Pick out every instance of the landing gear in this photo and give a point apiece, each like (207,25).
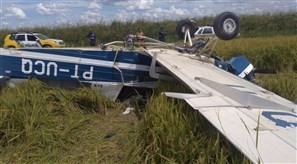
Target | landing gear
(226,26)
(183,25)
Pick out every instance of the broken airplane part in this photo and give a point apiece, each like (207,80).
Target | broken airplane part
(107,70)
(261,124)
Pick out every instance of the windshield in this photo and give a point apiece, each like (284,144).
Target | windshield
(41,36)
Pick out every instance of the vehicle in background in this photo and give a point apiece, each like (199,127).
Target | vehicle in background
(31,40)
(204,31)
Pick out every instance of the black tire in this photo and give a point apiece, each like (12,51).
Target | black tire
(11,47)
(181,27)
(47,46)
(226,26)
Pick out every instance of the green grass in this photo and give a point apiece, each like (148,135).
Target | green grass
(50,125)
(172,132)
(41,124)
(278,52)
(283,84)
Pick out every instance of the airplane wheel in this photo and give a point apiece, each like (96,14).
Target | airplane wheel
(226,26)
(182,26)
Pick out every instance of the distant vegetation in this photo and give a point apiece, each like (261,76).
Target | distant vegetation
(251,26)
(39,124)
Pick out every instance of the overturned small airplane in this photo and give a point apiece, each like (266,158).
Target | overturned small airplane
(261,124)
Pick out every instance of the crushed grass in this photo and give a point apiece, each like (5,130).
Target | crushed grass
(49,125)
(41,124)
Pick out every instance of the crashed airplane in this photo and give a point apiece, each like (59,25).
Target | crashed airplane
(261,124)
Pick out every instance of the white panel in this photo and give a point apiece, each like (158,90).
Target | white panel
(230,107)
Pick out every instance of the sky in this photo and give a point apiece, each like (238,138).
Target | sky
(51,13)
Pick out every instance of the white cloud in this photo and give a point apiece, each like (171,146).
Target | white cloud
(15,12)
(95,5)
(94,11)
(133,5)
(63,20)
(124,15)
(58,10)
(158,10)
(52,8)
(203,10)
(160,13)
(5,23)
(155,13)
(91,17)
(145,4)
(199,8)
(178,11)
(41,9)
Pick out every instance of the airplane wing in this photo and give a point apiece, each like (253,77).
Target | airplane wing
(261,124)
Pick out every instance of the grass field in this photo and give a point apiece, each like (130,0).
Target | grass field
(39,124)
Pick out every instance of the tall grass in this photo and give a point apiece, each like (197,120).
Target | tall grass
(269,24)
(172,132)
(283,84)
(41,124)
(278,52)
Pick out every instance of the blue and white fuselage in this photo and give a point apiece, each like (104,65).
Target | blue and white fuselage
(99,68)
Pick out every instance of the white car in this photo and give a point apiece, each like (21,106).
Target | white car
(204,31)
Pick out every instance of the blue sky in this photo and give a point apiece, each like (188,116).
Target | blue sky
(30,13)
